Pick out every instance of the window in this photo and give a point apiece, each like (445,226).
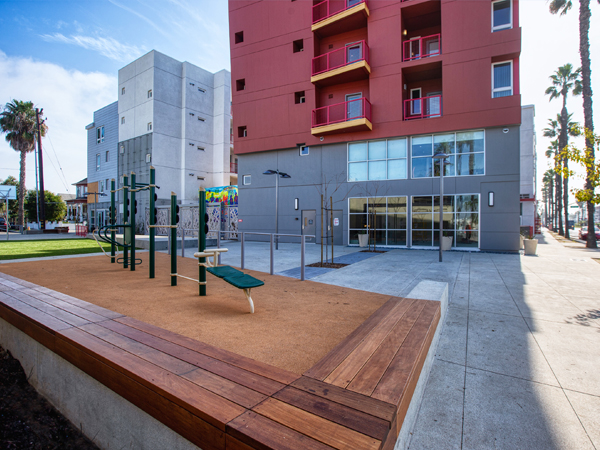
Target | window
(377,160)
(106,156)
(150,93)
(465,150)
(298,46)
(122,91)
(98,161)
(148,158)
(299,97)
(246,179)
(240,85)
(304,150)
(107,184)
(122,120)
(201,148)
(502,79)
(242,132)
(385,217)
(121,149)
(501,15)
(102,186)
(99,135)
(239,37)
(460,215)
(149,126)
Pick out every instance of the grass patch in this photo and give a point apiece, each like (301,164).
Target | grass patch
(49,247)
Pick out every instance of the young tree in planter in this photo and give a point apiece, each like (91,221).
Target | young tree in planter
(56,208)
(13,205)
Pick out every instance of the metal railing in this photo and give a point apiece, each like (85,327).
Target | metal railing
(422,47)
(328,8)
(423,108)
(350,53)
(342,112)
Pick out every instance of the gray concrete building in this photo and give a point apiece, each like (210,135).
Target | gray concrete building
(528,188)
(481,190)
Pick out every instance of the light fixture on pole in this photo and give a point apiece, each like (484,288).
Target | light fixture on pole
(282,175)
(442,158)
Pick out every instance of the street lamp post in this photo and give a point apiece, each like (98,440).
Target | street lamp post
(282,175)
(96,195)
(442,158)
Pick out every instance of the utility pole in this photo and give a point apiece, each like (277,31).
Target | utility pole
(39,140)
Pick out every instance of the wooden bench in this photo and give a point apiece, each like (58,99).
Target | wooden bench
(353,398)
(231,275)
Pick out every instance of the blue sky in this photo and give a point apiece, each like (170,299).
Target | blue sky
(64,56)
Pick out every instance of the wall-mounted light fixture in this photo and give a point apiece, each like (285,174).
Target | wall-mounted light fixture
(405,32)
(296,204)
(491,198)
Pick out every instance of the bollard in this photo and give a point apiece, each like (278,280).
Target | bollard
(302,242)
(242,250)
(271,259)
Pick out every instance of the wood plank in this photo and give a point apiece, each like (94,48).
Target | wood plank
(11,284)
(318,428)
(145,352)
(53,311)
(368,378)
(202,403)
(396,377)
(40,318)
(347,370)
(225,388)
(69,307)
(81,303)
(330,361)
(169,413)
(374,407)
(251,365)
(17,280)
(261,433)
(232,443)
(335,412)
(27,326)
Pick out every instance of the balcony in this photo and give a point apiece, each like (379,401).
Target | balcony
(354,115)
(336,16)
(349,63)
(233,167)
(423,108)
(423,47)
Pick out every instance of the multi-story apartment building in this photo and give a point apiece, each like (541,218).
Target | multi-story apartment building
(102,140)
(171,115)
(366,92)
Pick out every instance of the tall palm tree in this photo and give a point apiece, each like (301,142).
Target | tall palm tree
(553,152)
(19,123)
(565,80)
(562,7)
(548,181)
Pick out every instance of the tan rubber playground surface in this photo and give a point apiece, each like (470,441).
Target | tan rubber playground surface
(295,322)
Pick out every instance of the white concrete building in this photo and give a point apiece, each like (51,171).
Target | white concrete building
(528,167)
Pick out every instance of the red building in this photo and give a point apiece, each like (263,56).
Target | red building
(327,74)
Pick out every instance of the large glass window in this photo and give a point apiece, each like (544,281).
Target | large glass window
(502,79)
(501,15)
(460,216)
(383,218)
(465,152)
(377,160)
(99,135)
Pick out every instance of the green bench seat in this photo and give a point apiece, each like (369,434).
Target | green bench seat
(238,279)
(224,271)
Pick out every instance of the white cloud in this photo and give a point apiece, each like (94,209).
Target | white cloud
(69,99)
(109,47)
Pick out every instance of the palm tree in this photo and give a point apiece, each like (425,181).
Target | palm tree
(562,7)
(564,80)
(553,152)
(548,181)
(18,121)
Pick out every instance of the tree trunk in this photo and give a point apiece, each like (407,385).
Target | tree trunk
(586,80)
(563,140)
(21,199)
(566,198)
(559,206)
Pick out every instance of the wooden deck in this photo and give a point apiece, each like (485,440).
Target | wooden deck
(356,397)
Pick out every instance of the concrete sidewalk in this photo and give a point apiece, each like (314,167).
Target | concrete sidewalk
(517,363)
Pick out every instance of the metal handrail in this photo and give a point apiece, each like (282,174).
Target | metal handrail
(324,112)
(323,63)
(422,102)
(318,9)
(407,56)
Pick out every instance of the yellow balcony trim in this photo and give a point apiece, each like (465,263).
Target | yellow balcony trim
(341,126)
(341,15)
(340,70)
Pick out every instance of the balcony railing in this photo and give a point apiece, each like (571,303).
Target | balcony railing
(422,47)
(233,167)
(342,112)
(423,108)
(351,53)
(328,8)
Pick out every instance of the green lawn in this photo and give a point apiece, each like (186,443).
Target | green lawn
(48,247)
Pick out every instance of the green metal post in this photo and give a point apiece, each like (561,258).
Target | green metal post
(202,239)
(173,239)
(125,209)
(113,221)
(132,220)
(152,230)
